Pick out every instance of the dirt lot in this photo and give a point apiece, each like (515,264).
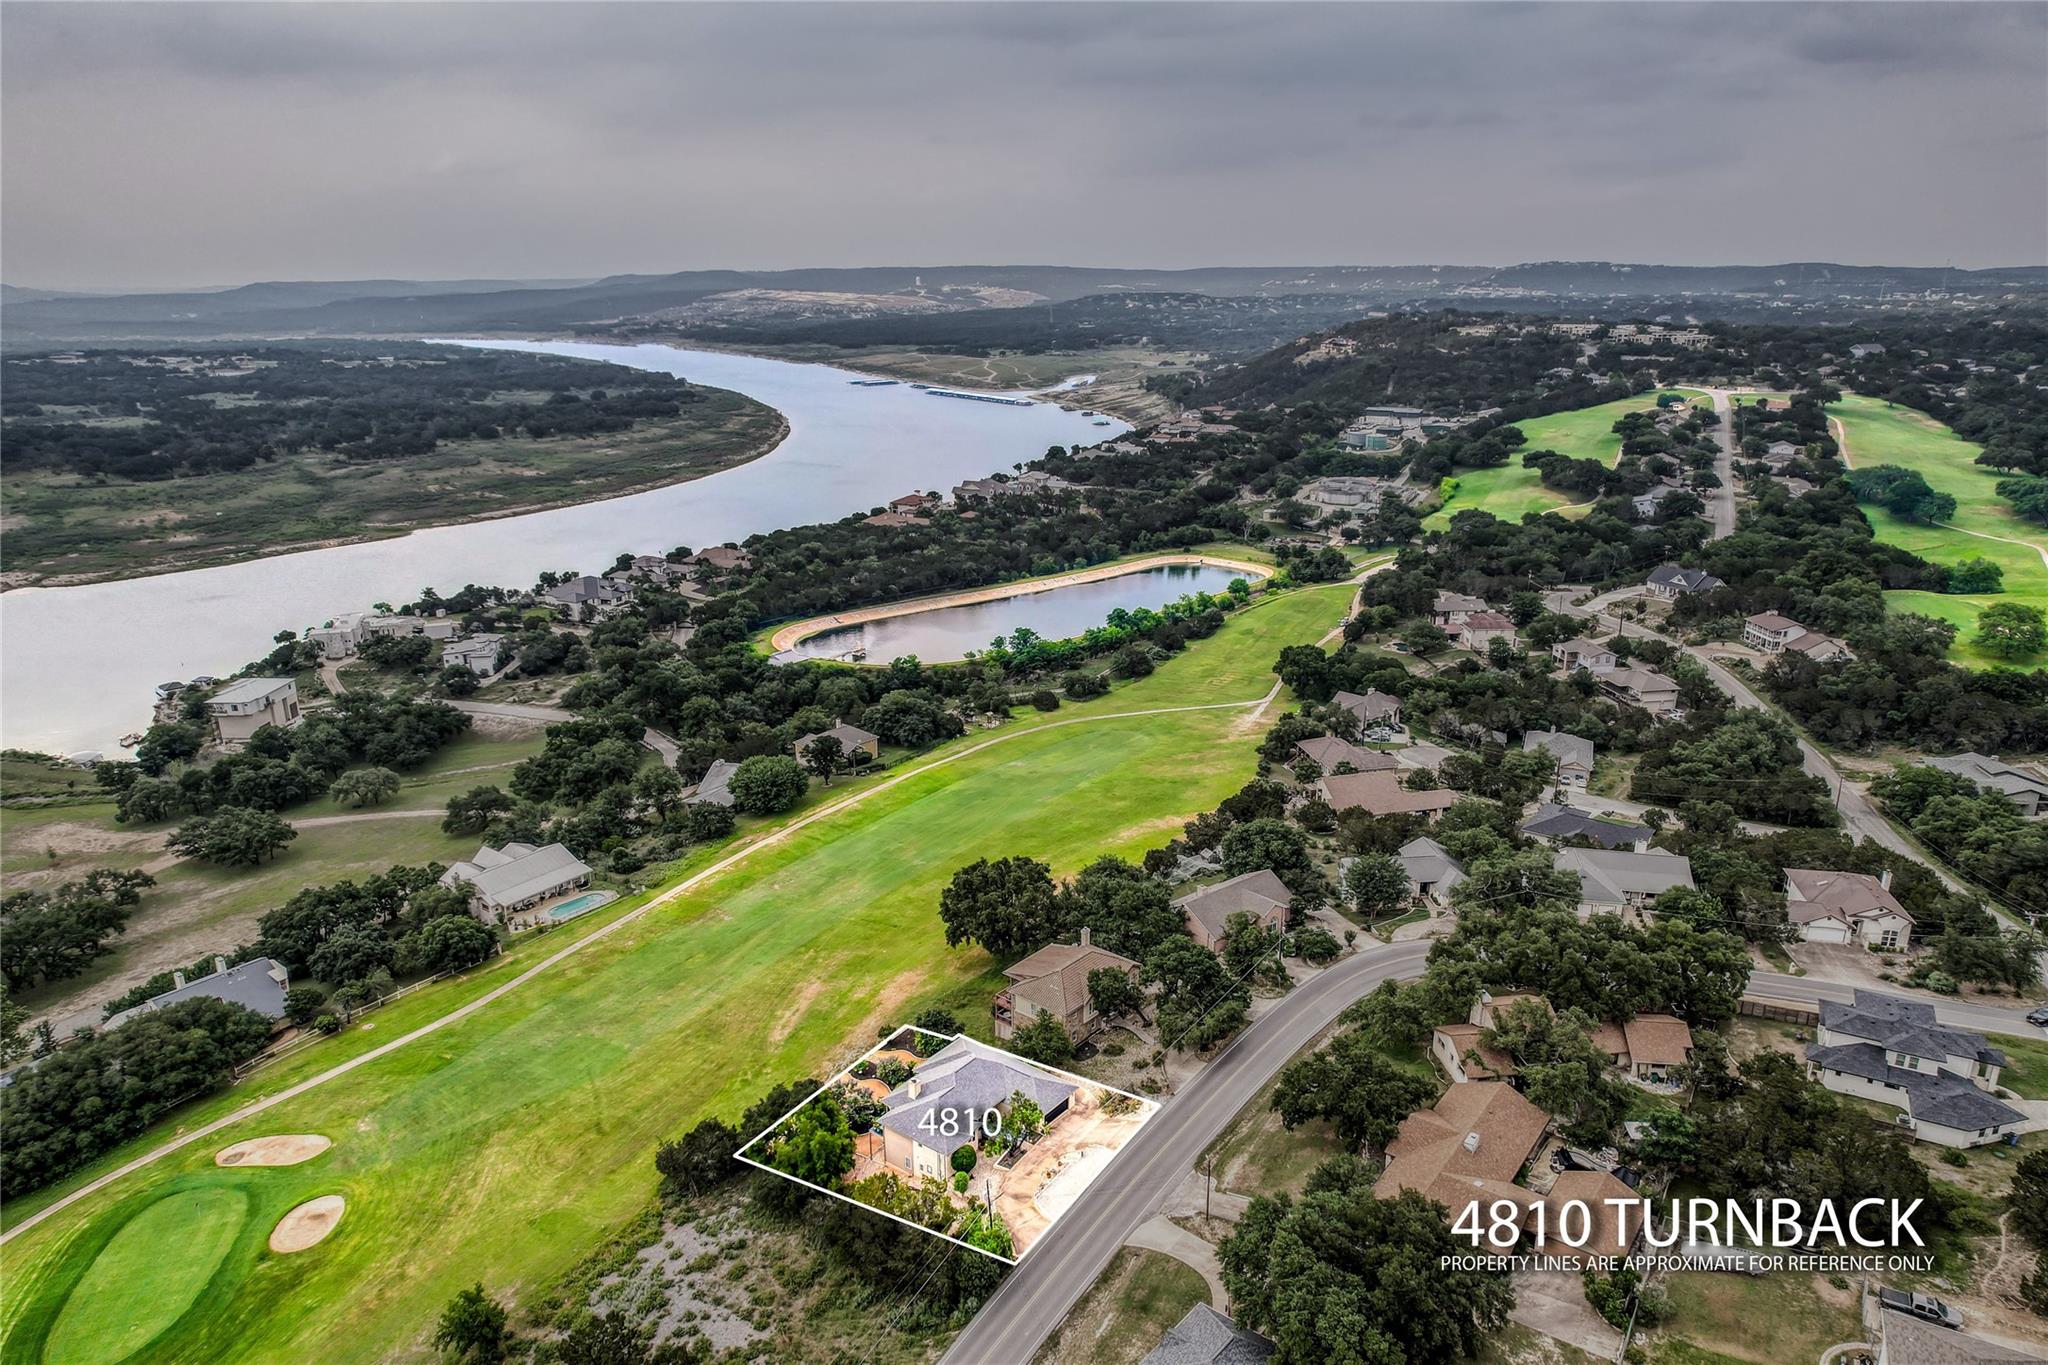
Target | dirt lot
(1052,1173)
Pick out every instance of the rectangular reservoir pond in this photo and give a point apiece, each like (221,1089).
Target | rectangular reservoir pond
(945,633)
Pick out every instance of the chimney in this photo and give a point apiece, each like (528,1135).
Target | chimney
(177,981)
(1884,879)
(220,964)
(1087,938)
(914,1086)
(1472,1141)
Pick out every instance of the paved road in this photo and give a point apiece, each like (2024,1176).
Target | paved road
(1960,1014)
(1037,1296)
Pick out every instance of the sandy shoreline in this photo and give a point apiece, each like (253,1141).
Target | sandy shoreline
(798,631)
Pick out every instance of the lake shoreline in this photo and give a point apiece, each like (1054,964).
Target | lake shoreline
(763,446)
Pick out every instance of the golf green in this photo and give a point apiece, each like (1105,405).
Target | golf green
(145,1278)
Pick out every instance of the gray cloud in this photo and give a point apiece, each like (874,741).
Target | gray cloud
(166,145)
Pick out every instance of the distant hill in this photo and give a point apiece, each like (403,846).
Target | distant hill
(1310,294)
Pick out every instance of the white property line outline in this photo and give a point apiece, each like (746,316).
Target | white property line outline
(845,1073)
(690,883)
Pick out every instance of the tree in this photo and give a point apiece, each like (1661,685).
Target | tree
(473,811)
(1423,639)
(822,756)
(702,821)
(352,954)
(1377,884)
(233,836)
(1198,1003)
(451,943)
(1007,906)
(2012,630)
(303,1004)
(1269,844)
(1125,909)
(1044,1040)
(1563,1073)
(1112,994)
(936,1021)
(13,1042)
(365,787)
(472,1327)
(701,1159)
(767,784)
(658,789)
(1339,1275)
(2029,1198)
(816,1144)
(50,935)
(1355,1086)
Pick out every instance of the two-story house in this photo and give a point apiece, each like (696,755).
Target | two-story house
(1054,981)
(242,708)
(1895,1051)
(1846,907)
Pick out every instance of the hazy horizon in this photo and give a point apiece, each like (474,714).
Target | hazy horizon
(173,147)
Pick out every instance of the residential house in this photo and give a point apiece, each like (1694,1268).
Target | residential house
(1374,709)
(589,598)
(1381,793)
(1647,504)
(1208,910)
(258,984)
(1331,753)
(1782,452)
(1556,825)
(714,786)
(479,653)
(504,881)
(1864,348)
(339,638)
(1670,582)
(399,627)
(855,744)
(1579,652)
(442,628)
(1206,1337)
(1903,1339)
(242,708)
(1462,1051)
(914,502)
(1846,907)
(1769,633)
(2021,786)
(1614,1215)
(1432,872)
(893,519)
(964,1076)
(1481,628)
(1452,608)
(649,568)
(1054,981)
(1654,1046)
(719,559)
(1622,881)
(1574,755)
(1467,1148)
(1895,1051)
(1643,687)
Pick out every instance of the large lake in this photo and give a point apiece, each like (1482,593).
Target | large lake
(946,633)
(78,665)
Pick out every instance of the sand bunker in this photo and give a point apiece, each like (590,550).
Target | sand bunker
(308,1224)
(286,1149)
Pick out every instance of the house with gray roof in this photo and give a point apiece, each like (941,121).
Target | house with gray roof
(1616,881)
(715,786)
(479,653)
(962,1077)
(2021,786)
(242,708)
(1432,871)
(855,744)
(1581,652)
(1554,824)
(1260,894)
(589,598)
(1897,1051)
(1574,755)
(504,881)
(1206,1337)
(1374,708)
(1671,582)
(258,984)
(1846,907)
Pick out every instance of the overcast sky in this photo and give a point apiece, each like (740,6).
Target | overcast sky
(192,144)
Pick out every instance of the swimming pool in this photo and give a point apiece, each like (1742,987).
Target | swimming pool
(578,905)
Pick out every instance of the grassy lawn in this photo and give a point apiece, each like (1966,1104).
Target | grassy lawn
(1125,1313)
(2026,1066)
(507,1144)
(1512,489)
(71,525)
(1875,434)
(1766,1318)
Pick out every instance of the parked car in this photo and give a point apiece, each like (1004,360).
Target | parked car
(1925,1307)
(2039,1018)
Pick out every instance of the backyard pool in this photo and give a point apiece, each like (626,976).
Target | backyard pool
(578,905)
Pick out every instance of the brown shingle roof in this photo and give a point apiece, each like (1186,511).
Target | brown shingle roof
(1055,978)
(1658,1039)
(1381,794)
(1431,1144)
(1852,895)
(1612,1231)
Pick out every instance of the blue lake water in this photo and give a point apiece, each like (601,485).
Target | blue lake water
(946,633)
(77,664)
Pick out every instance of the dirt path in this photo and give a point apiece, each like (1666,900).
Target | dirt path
(818,625)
